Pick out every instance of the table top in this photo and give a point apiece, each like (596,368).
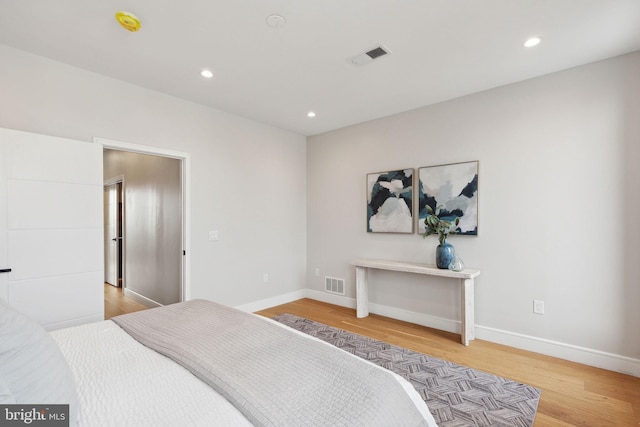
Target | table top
(414,267)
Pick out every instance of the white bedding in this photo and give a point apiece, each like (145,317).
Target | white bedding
(408,388)
(121,382)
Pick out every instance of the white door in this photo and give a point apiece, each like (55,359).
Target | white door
(53,228)
(111,237)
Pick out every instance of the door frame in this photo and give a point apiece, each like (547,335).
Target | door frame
(185,169)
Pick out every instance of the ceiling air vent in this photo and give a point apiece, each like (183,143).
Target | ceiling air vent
(365,58)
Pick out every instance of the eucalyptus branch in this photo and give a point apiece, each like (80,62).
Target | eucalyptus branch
(442,227)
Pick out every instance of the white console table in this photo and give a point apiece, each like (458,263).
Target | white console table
(465,277)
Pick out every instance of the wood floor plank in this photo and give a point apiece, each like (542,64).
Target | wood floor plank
(115,303)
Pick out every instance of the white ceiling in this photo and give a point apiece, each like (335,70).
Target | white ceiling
(441,49)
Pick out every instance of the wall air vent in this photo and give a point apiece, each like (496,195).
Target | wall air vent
(365,58)
(333,285)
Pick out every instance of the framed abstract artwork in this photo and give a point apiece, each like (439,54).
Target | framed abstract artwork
(454,187)
(390,202)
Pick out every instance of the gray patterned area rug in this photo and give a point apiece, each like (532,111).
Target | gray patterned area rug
(456,395)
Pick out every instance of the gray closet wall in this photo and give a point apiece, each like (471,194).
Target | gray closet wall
(152,223)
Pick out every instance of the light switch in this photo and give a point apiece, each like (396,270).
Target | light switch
(213,235)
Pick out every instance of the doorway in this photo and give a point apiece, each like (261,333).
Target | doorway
(156,219)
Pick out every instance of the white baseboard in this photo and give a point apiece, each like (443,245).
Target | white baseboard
(587,356)
(140,298)
(340,300)
(273,301)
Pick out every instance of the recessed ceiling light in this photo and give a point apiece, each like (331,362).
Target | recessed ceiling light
(206,73)
(311,114)
(276,21)
(532,41)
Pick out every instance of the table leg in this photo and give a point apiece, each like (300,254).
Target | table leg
(362,292)
(468,329)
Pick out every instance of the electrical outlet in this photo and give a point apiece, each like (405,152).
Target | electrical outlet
(317,272)
(265,278)
(538,306)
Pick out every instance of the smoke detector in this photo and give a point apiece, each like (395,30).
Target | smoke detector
(128,21)
(366,57)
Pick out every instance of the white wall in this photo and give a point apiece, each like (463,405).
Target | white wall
(248,179)
(558,201)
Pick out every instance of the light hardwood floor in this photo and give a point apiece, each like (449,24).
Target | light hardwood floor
(572,394)
(115,303)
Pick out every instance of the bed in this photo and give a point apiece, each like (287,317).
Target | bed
(199,363)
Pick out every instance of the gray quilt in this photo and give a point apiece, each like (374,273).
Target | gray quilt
(271,374)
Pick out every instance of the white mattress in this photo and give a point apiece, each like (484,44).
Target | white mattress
(120,382)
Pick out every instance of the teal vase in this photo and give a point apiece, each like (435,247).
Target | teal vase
(445,253)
